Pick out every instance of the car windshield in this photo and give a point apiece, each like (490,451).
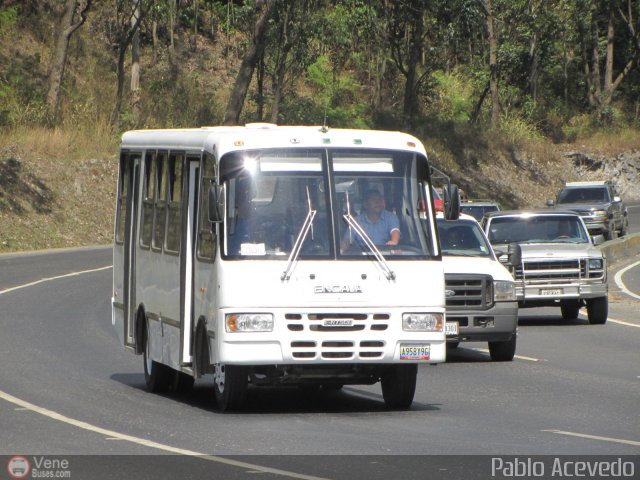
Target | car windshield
(462,238)
(478,211)
(583,195)
(537,229)
(278,198)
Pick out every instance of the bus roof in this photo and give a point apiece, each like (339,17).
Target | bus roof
(265,135)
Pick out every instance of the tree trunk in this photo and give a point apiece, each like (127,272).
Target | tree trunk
(608,72)
(241,85)
(135,68)
(154,36)
(410,104)
(493,64)
(69,24)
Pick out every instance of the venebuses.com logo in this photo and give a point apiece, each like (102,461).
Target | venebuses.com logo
(18,467)
(38,467)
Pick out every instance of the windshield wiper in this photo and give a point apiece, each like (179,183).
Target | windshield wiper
(302,235)
(369,243)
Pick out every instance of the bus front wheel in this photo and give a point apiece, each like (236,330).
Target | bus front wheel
(230,385)
(399,386)
(157,377)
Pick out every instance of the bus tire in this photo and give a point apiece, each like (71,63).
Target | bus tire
(157,377)
(399,386)
(182,382)
(230,385)
(201,344)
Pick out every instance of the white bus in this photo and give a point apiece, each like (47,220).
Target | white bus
(243,252)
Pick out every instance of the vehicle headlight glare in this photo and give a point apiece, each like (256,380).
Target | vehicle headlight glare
(595,264)
(423,322)
(249,322)
(504,291)
(600,213)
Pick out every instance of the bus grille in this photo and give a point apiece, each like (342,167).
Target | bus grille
(335,347)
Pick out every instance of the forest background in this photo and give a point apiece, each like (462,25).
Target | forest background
(511,97)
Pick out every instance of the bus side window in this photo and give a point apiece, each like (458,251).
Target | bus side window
(148,198)
(123,195)
(206,234)
(160,211)
(174,197)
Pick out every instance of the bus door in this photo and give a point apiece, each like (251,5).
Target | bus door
(129,208)
(187,256)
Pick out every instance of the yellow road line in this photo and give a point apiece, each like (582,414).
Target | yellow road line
(48,279)
(595,437)
(149,443)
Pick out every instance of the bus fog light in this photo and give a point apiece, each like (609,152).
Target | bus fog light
(249,322)
(422,322)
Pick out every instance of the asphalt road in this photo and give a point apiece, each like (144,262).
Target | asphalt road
(67,389)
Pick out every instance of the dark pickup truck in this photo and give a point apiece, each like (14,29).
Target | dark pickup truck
(597,203)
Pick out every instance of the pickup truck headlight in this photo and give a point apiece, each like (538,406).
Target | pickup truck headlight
(600,214)
(249,322)
(595,264)
(423,322)
(504,291)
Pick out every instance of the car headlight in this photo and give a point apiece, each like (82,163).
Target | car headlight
(249,322)
(595,263)
(504,291)
(423,322)
(600,213)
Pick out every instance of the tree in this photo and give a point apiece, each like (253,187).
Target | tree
(251,58)
(75,14)
(129,14)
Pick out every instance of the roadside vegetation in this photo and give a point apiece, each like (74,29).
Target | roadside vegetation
(499,90)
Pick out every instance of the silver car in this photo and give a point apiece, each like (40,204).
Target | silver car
(559,264)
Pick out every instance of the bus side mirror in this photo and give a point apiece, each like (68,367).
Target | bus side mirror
(451,196)
(215,213)
(514,254)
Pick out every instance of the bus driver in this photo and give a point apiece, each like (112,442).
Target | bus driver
(380,225)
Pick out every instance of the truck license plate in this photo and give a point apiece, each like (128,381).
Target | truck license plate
(551,291)
(451,328)
(415,352)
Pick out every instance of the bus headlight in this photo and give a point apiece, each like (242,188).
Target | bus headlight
(422,322)
(249,322)
(504,291)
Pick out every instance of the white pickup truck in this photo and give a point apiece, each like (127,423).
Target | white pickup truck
(480,292)
(559,265)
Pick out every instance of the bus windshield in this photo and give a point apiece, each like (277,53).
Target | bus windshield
(317,198)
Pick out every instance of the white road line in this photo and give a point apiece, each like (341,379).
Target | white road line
(149,443)
(620,283)
(48,279)
(583,311)
(519,357)
(595,437)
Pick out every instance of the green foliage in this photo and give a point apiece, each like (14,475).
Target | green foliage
(8,18)
(452,97)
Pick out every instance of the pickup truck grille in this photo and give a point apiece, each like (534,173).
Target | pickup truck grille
(471,292)
(552,271)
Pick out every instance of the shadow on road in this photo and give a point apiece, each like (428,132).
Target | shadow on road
(550,321)
(281,400)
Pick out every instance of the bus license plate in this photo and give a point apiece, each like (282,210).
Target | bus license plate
(551,291)
(451,328)
(415,352)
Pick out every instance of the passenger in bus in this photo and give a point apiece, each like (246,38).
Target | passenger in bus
(381,225)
